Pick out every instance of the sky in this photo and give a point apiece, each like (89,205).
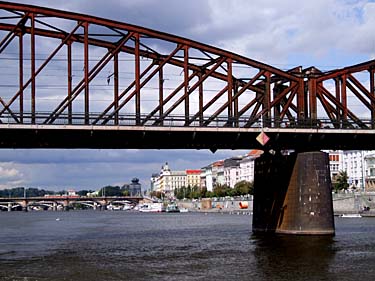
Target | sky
(328,34)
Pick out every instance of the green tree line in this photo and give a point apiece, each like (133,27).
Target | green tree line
(21,191)
(35,192)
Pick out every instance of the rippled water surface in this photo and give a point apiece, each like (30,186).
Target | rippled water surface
(90,245)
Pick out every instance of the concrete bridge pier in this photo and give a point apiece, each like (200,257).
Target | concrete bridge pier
(66,205)
(24,206)
(292,194)
(9,207)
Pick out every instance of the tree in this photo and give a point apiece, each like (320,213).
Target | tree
(110,191)
(341,182)
(243,188)
(221,190)
(84,192)
(156,194)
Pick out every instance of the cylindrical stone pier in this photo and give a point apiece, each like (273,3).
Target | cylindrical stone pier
(293,194)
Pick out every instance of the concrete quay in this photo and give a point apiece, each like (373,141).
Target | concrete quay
(343,203)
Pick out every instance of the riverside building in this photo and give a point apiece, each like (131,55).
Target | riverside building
(134,188)
(353,163)
(359,165)
(370,172)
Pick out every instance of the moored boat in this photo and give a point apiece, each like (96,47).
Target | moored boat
(172,208)
(351,216)
(152,208)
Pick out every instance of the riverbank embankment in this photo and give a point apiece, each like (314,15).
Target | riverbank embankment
(343,203)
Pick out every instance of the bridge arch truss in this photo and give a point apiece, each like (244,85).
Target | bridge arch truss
(65,68)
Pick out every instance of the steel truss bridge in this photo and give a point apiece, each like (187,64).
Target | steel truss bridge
(75,81)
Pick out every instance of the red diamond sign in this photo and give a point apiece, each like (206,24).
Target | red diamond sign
(262,138)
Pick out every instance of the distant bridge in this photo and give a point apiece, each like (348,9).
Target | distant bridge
(75,81)
(66,202)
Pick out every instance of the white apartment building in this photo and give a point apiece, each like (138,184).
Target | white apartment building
(351,161)
(354,165)
(247,165)
(246,169)
(232,170)
(335,163)
(193,178)
(370,172)
(213,174)
(168,181)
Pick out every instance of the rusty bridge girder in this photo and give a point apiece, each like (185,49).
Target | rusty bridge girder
(67,68)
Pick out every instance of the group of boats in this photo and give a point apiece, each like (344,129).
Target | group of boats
(149,208)
(159,207)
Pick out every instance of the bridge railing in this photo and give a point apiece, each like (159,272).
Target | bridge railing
(80,119)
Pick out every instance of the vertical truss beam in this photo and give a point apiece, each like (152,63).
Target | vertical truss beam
(70,79)
(41,67)
(201,100)
(312,98)
(338,97)
(20,75)
(301,99)
(230,89)
(137,80)
(235,101)
(116,87)
(32,70)
(161,91)
(266,115)
(186,83)
(86,72)
(344,98)
(372,93)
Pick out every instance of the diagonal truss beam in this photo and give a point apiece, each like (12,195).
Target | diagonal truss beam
(141,85)
(83,83)
(12,33)
(50,57)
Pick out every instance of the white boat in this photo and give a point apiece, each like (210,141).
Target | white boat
(127,207)
(351,216)
(152,208)
(172,208)
(184,210)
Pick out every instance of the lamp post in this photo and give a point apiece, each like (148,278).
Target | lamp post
(363,168)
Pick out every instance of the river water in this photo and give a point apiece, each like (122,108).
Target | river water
(94,245)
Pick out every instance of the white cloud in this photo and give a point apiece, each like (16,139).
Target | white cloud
(10,176)
(6,173)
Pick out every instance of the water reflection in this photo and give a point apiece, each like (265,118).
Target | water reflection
(194,246)
(285,257)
